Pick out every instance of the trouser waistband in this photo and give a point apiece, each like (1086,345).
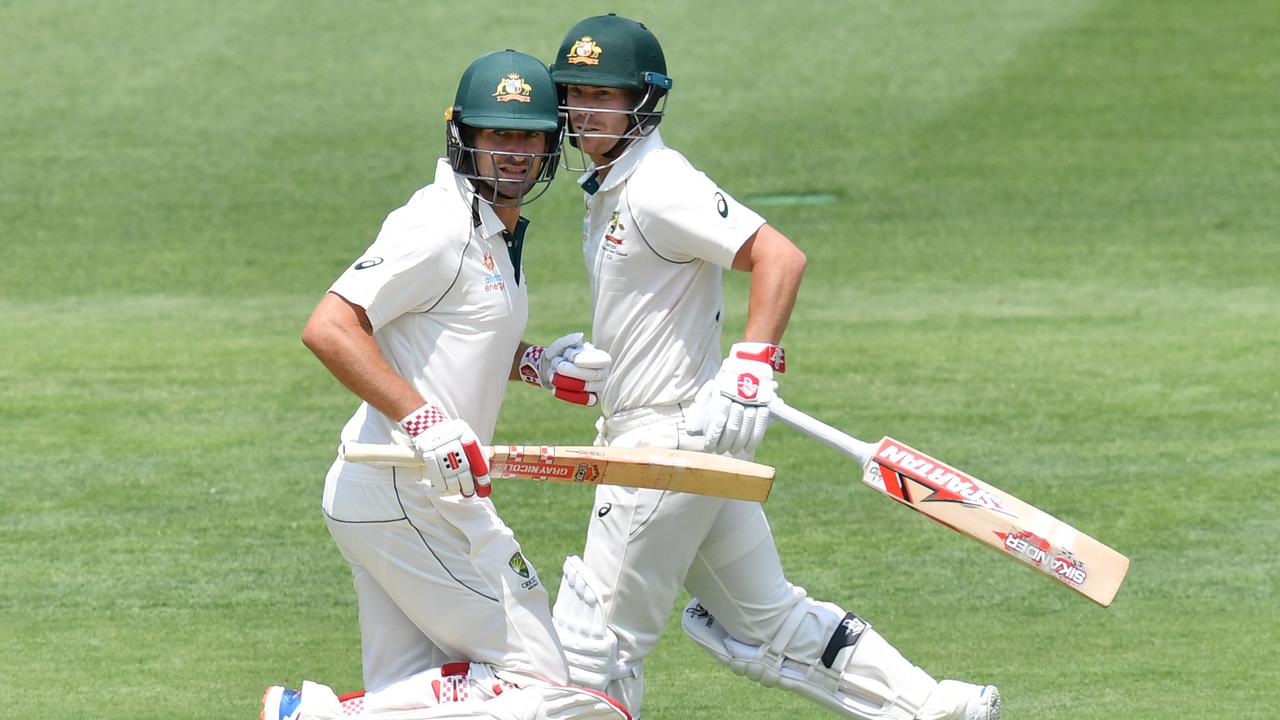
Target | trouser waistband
(627,420)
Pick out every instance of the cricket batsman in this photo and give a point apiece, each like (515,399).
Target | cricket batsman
(425,328)
(657,236)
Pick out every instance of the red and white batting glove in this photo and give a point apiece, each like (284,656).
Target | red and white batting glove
(571,369)
(454,461)
(733,407)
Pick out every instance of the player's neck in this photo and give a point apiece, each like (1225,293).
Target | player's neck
(602,172)
(509,215)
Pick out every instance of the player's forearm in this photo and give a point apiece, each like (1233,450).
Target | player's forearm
(369,376)
(337,337)
(776,267)
(515,361)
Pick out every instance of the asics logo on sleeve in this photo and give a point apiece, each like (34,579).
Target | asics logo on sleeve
(722,205)
(368,263)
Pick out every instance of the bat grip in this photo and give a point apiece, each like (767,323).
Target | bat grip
(382,454)
(814,428)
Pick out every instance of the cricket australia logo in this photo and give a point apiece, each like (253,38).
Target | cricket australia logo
(493,281)
(615,228)
(613,239)
(521,567)
(513,87)
(584,52)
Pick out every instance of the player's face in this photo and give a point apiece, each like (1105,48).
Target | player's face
(598,132)
(509,157)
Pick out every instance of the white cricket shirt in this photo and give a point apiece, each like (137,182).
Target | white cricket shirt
(657,236)
(439,288)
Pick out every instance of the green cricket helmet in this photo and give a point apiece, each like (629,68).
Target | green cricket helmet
(617,52)
(504,90)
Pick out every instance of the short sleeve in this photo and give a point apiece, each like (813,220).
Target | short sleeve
(683,215)
(408,268)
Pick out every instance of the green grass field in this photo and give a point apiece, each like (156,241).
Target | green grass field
(1053,260)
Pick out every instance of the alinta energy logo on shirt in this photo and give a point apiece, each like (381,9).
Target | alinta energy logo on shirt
(493,281)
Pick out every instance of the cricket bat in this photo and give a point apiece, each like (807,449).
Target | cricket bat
(972,507)
(654,468)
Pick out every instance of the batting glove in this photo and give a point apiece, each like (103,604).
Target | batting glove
(571,369)
(450,450)
(589,645)
(733,407)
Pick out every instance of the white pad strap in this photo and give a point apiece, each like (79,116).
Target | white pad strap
(858,674)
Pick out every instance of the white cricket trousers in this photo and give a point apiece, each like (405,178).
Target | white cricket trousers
(437,579)
(644,544)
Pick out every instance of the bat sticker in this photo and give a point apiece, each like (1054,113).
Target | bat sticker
(898,463)
(1040,554)
(587,473)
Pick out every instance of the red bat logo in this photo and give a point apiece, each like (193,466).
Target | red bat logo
(1040,554)
(947,483)
(748,386)
(534,470)
(587,473)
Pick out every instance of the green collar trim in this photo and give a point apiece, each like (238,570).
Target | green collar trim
(515,245)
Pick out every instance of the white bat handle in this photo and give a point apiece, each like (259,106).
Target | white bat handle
(370,453)
(847,444)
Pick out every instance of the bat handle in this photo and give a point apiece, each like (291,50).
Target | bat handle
(400,455)
(847,444)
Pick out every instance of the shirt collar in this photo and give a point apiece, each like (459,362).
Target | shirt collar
(622,169)
(482,213)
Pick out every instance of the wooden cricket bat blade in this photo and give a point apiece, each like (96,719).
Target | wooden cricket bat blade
(996,519)
(654,468)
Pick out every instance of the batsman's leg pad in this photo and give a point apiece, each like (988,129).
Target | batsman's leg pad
(590,645)
(478,695)
(953,700)
(319,702)
(552,702)
(857,675)
(458,682)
